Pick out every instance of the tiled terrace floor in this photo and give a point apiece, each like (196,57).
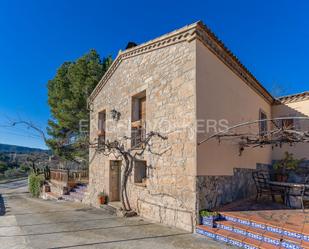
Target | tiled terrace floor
(268,212)
(260,225)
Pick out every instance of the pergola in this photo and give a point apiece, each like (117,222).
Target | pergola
(279,131)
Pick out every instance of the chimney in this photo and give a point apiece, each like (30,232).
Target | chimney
(131,45)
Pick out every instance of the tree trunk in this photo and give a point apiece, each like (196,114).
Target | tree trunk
(124,182)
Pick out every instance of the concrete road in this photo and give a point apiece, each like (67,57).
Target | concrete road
(34,223)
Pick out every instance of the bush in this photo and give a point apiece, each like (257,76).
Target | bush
(206,213)
(24,168)
(14,173)
(35,183)
(3,167)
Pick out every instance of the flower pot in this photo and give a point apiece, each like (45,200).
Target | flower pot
(102,200)
(282,178)
(210,220)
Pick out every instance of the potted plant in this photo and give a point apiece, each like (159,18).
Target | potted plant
(283,166)
(102,197)
(101,133)
(208,218)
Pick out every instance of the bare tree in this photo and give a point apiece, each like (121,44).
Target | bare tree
(281,131)
(118,149)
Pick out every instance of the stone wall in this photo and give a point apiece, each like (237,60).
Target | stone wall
(215,191)
(168,76)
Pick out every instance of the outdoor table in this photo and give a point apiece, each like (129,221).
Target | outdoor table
(287,186)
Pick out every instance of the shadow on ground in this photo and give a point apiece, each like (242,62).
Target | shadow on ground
(253,205)
(2,206)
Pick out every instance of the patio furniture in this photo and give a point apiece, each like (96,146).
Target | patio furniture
(261,180)
(297,190)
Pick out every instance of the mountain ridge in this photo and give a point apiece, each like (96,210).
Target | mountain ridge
(8,148)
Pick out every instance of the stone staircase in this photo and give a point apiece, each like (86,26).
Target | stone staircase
(76,194)
(255,233)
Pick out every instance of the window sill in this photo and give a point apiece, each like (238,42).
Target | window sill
(140,184)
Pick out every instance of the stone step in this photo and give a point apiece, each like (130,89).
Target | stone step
(242,241)
(259,234)
(77,191)
(51,196)
(255,232)
(224,236)
(76,194)
(72,198)
(292,231)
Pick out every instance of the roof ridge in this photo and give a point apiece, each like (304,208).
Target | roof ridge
(197,30)
(167,39)
(176,31)
(293,94)
(293,98)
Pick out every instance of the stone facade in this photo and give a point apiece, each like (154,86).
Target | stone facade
(168,77)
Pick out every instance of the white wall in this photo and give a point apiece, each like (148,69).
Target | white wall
(294,109)
(221,94)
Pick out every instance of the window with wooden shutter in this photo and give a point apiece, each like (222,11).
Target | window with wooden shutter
(263,123)
(138,118)
(101,126)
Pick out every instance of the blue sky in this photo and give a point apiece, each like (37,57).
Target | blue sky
(270,38)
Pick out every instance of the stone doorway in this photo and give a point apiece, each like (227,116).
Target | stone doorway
(114,180)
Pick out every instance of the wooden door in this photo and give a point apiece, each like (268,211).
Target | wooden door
(115,176)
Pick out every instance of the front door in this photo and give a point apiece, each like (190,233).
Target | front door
(115,176)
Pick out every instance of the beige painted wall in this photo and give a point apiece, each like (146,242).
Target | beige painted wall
(295,109)
(168,76)
(221,94)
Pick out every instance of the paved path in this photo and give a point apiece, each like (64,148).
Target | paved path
(35,223)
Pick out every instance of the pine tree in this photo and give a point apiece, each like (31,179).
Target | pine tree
(67,98)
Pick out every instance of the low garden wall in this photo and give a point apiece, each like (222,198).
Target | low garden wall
(215,191)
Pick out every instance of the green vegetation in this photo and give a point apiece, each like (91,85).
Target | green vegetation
(67,97)
(13,165)
(205,213)
(3,167)
(35,182)
(288,163)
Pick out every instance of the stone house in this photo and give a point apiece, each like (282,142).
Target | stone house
(174,84)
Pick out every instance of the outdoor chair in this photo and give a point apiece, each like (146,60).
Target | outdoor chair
(301,193)
(261,180)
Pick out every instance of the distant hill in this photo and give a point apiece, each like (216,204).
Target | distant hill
(18,149)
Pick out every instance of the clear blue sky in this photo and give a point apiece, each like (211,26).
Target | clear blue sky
(36,37)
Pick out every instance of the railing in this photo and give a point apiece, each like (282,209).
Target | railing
(60,175)
(78,174)
(138,137)
(138,133)
(66,175)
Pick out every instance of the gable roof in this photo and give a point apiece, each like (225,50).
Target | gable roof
(293,98)
(188,33)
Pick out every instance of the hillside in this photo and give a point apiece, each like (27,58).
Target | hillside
(6,148)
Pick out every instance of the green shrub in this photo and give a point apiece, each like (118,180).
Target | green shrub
(288,163)
(35,183)
(24,168)
(3,167)
(205,213)
(14,173)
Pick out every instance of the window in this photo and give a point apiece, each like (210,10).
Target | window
(140,171)
(263,123)
(101,127)
(138,125)
(287,124)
